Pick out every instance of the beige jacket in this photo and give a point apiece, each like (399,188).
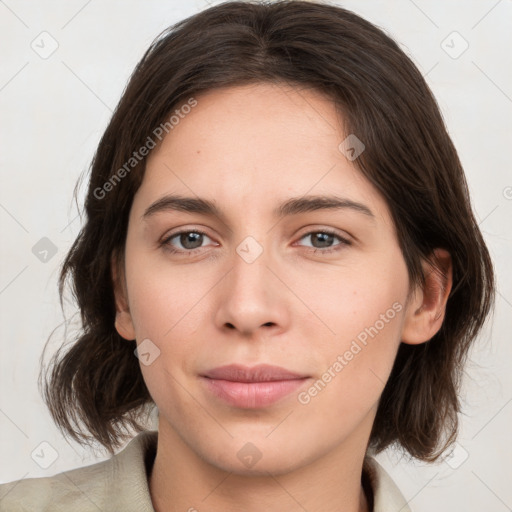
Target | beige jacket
(120,484)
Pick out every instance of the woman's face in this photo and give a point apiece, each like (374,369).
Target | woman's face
(320,292)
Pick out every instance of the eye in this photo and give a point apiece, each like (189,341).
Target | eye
(321,241)
(190,241)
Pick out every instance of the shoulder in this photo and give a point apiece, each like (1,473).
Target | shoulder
(386,494)
(69,490)
(106,485)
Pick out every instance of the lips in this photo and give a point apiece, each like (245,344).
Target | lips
(251,388)
(259,373)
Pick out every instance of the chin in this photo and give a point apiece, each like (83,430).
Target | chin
(258,457)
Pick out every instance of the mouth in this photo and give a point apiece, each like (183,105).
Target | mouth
(251,388)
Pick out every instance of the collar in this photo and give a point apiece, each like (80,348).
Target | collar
(386,496)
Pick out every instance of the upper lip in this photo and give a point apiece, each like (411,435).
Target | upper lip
(258,373)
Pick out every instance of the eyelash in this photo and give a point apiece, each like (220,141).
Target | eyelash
(343,242)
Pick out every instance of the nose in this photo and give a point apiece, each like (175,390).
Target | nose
(250,296)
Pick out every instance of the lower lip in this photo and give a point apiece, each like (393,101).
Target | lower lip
(252,395)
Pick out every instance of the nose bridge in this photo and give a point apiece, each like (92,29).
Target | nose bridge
(250,296)
(250,275)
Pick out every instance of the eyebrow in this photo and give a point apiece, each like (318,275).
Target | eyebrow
(292,206)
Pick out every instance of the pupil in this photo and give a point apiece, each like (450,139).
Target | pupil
(323,238)
(192,238)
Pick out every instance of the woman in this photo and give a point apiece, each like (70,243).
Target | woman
(280,255)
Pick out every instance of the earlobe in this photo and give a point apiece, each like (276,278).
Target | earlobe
(124,325)
(426,310)
(123,322)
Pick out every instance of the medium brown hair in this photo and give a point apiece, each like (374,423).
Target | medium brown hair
(95,390)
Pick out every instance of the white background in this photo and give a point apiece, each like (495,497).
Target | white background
(53,112)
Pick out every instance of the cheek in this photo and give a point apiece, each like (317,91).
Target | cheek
(164,299)
(168,307)
(367,295)
(167,311)
(363,309)
(355,366)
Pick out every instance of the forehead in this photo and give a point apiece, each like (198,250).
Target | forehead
(251,145)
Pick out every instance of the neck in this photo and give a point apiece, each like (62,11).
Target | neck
(181,480)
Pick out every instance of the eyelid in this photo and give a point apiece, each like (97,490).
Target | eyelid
(327,229)
(344,240)
(172,234)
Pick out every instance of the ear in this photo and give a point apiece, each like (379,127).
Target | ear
(426,309)
(123,323)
